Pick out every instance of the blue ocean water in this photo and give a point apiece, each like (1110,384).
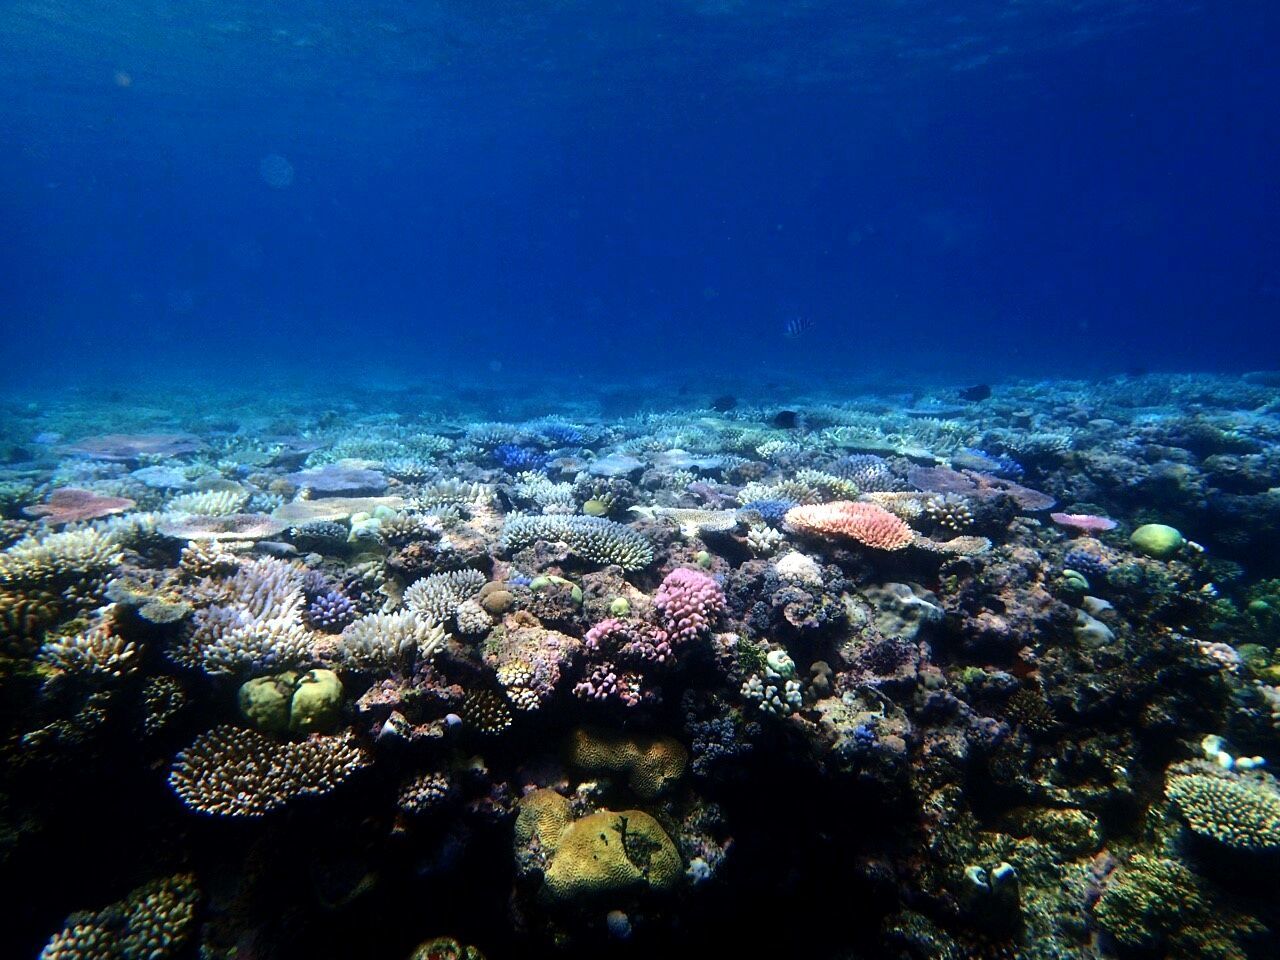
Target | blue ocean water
(963,189)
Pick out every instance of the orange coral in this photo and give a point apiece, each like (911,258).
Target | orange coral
(869,524)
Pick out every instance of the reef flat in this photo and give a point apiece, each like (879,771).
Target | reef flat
(458,673)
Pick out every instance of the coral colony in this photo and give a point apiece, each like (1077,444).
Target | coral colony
(1001,681)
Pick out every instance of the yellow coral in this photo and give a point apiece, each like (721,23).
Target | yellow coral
(650,764)
(543,816)
(607,851)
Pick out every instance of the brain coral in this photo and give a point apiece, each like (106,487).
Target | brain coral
(650,764)
(607,852)
(1240,812)
(867,523)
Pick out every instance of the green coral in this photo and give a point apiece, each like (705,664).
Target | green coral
(316,706)
(1158,904)
(1239,811)
(264,701)
(1157,540)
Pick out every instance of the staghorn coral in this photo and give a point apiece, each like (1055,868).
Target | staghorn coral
(592,538)
(435,598)
(866,523)
(253,622)
(233,772)
(152,923)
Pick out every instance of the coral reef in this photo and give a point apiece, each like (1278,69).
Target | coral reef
(358,681)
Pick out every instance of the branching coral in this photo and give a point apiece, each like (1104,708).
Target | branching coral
(592,538)
(233,772)
(435,598)
(59,557)
(1238,810)
(97,653)
(380,640)
(689,601)
(152,923)
(868,524)
(254,621)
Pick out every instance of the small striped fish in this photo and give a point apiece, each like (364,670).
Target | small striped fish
(796,327)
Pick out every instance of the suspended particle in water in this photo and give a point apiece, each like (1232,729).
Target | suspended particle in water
(276,171)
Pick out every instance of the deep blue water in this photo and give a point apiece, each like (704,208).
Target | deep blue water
(605,189)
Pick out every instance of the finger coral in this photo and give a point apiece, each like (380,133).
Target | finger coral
(689,601)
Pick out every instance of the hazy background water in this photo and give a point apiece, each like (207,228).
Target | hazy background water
(606,189)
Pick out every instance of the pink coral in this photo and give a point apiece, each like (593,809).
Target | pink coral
(607,683)
(1083,522)
(70,505)
(689,601)
(869,524)
(640,643)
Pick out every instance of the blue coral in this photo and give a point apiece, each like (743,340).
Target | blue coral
(562,435)
(515,458)
(1090,564)
(772,511)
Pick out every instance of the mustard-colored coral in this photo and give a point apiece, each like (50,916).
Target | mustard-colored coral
(543,817)
(650,764)
(607,852)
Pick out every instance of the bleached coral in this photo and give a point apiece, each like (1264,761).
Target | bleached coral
(97,653)
(380,640)
(435,598)
(253,621)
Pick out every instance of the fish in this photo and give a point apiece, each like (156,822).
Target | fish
(724,403)
(796,327)
(786,419)
(976,393)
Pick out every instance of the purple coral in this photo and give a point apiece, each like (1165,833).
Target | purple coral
(689,601)
(639,643)
(608,684)
(331,612)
